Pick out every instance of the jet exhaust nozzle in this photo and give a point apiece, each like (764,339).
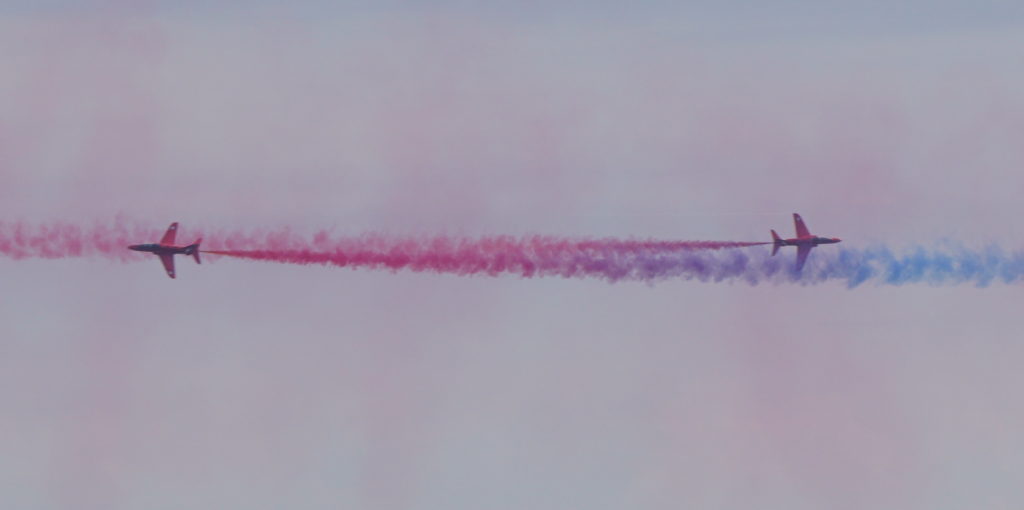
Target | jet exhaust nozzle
(193,250)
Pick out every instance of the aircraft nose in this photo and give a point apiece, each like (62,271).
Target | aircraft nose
(836,239)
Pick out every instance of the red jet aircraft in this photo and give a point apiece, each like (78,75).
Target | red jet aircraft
(803,241)
(166,249)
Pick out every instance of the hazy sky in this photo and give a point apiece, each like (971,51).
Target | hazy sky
(244,385)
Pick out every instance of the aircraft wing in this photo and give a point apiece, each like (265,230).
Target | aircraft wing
(168,261)
(801,227)
(168,238)
(802,252)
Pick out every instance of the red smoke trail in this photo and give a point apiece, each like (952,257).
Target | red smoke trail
(608,259)
(61,240)
(526,256)
(611,259)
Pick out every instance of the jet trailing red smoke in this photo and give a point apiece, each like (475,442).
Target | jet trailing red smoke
(526,256)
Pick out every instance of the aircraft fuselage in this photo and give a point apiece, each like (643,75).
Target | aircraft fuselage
(808,241)
(162,249)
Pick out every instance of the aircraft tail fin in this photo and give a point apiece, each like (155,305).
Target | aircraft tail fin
(776,242)
(194,250)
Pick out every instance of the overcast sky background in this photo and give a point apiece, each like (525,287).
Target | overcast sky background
(243,385)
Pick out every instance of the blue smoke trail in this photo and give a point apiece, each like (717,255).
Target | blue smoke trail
(947,264)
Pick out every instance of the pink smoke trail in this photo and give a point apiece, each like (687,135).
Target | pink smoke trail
(528,256)
(56,240)
(524,256)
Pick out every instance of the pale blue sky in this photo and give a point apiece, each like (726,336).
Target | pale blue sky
(243,385)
